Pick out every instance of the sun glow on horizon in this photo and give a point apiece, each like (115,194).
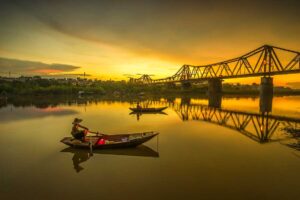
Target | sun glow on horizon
(135,41)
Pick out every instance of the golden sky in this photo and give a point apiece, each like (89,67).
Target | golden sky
(109,38)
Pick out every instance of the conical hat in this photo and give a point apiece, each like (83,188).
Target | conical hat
(77,121)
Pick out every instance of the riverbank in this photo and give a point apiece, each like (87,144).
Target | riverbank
(40,86)
(50,100)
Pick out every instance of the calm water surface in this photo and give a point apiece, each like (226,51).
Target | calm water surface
(232,152)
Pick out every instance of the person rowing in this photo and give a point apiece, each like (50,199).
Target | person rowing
(78,131)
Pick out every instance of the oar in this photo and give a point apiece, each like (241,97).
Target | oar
(91,147)
(95,132)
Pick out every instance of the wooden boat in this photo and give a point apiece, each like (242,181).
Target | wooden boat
(148,109)
(140,113)
(110,141)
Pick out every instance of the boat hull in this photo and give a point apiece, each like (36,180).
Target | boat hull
(112,141)
(148,109)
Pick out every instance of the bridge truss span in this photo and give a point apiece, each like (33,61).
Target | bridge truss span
(264,61)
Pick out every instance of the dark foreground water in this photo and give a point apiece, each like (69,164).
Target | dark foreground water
(232,152)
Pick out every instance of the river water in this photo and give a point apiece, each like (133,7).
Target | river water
(230,151)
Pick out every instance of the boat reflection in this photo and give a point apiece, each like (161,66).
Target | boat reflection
(139,114)
(82,155)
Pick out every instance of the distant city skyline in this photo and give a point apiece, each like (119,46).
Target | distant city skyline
(108,39)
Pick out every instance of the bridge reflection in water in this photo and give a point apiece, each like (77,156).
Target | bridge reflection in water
(262,127)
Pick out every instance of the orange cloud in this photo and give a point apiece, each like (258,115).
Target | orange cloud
(33,67)
(47,71)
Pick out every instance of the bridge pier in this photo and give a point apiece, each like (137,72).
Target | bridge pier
(266,94)
(186,84)
(215,101)
(214,86)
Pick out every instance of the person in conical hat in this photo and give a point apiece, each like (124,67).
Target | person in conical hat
(78,131)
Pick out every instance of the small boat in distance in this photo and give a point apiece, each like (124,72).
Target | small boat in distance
(139,113)
(153,110)
(110,141)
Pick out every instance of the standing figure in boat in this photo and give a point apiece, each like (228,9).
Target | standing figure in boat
(138,106)
(78,131)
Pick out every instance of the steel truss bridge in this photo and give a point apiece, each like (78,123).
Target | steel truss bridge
(264,61)
(260,127)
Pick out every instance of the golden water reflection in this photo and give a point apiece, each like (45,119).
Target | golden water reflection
(201,148)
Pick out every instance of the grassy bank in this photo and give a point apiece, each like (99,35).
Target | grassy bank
(121,88)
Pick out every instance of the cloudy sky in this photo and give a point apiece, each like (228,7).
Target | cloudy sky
(109,38)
